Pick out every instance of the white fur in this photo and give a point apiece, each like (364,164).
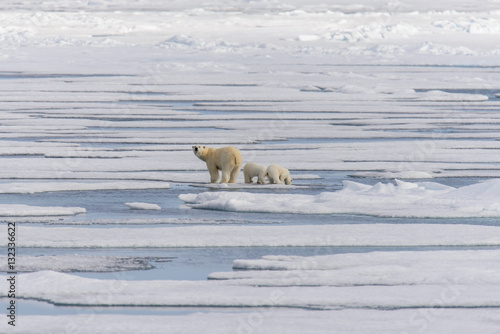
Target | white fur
(252,170)
(278,174)
(226,159)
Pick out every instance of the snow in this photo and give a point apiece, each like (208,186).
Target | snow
(37,187)
(166,221)
(423,290)
(22,210)
(143,206)
(247,235)
(403,199)
(374,268)
(446,321)
(65,289)
(437,95)
(101,102)
(370,289)
(395,175)
(246,185)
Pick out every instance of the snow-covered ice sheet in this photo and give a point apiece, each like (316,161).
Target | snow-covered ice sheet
(271,321)
(403,199)
(376,292)
(373,268)
(163,221)
(22,210)
(67,289)
(143,206)
(36,187)
(260,236)
(245,186)
(415,83)
(111,95)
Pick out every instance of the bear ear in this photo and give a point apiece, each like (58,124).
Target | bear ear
(203,146)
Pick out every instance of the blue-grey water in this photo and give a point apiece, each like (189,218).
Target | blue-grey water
(197,263)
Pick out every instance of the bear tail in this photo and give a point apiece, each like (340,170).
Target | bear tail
(237,159)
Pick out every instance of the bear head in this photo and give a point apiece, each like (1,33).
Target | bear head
(200,151)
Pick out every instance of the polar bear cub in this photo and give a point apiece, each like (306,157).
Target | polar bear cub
(278,174)
(226,159)
(252,170)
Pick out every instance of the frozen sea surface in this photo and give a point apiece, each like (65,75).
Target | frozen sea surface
(386,114)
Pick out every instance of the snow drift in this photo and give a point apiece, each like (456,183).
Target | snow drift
(402,199)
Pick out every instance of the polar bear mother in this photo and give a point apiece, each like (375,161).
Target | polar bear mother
(226,159)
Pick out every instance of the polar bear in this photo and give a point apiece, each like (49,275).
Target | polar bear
(278,174)
(252,170)
(227,159)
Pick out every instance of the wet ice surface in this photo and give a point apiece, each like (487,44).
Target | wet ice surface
(386,115)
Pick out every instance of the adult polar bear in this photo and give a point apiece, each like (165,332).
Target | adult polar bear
(227,159)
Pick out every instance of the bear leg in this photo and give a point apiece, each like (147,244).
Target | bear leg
(234,174)
(226,174)
(214,174)
(248,179)
(272,178)
(225,177)
(262,179)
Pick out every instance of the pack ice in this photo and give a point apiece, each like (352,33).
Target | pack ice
(402,199)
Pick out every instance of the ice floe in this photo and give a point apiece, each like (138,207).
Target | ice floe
(247,185)
(396,175)
(402,199)
(274,320)
(22,210)
(259,236)
(373,268)
(37,186)
(66,289)
(160,221)
(143,206)
(107,95)
(459,295)
(437,95)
